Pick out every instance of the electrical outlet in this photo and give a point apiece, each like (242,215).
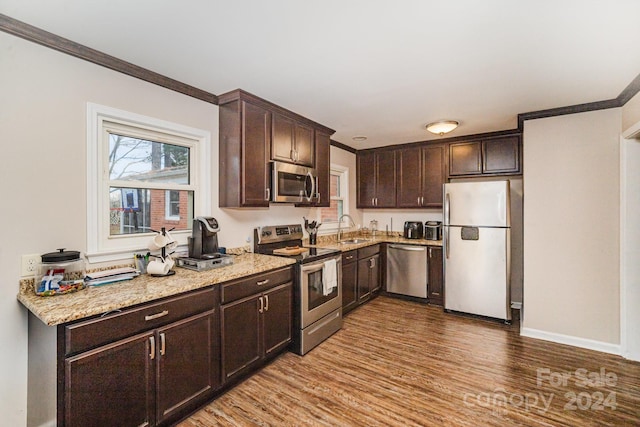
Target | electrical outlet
(30,264)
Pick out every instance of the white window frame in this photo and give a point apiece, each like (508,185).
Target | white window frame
(101,246)
(167,207)
(343,172)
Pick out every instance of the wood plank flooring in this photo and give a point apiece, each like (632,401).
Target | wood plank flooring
(399,363)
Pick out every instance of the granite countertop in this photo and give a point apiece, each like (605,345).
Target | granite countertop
(373,240)
(91,301)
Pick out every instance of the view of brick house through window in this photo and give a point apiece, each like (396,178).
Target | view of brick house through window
(337,195)
(143,178)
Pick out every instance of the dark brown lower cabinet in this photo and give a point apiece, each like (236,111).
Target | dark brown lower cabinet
(254,328)
(142,380)
(145,366)
(360,276)
(111,385)
(349,281)
(435,289)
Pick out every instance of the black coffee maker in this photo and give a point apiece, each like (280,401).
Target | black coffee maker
(203,243)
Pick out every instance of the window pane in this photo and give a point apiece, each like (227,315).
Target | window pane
(332,213)
(335,186)
(148,161)
(139,210)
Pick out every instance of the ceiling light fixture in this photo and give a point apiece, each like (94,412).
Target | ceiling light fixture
(359,138)
(442,127)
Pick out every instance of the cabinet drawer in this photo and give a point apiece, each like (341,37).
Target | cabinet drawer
(88,334)
(349,257)
(232,291)
(368,251)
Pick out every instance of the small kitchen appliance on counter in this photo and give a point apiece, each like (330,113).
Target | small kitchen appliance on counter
(413,230)
(317,289)
(204,253)
(433,230)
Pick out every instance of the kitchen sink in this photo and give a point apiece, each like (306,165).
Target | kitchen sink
(352,241)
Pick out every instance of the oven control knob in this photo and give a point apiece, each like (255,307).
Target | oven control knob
(266,233)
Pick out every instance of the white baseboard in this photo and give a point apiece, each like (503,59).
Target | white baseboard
(571,340)
(50,423)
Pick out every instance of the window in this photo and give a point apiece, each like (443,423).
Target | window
(172,205)
(338,194)
(143,174)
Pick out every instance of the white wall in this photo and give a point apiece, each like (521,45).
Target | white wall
(630,230)
(571,229)
(43,134)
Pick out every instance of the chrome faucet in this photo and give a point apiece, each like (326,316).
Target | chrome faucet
(352,224)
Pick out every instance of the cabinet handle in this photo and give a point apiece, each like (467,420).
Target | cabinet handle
(266,304)
(349,257)
(429,252)
(152,351)
(162,344)
(262,282)
(372,262)
(435,293)
(261,309)
(267,192)
(156,316)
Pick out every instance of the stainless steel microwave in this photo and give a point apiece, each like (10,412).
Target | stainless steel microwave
(292,183)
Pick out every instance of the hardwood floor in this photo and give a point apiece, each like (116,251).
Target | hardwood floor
(399,363)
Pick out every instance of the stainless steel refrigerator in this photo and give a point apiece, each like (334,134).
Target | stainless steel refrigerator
(477,234)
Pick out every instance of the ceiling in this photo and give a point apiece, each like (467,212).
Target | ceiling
(377,68)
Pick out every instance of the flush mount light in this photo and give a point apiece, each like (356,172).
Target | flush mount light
(442,127)
(359,138)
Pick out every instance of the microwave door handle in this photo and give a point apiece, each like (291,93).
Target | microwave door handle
(313,186)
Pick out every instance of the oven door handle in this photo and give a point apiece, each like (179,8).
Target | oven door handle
(312,267)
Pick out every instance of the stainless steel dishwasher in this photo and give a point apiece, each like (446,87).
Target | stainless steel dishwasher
(407,270)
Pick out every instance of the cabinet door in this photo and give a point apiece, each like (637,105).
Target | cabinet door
(366,179)
(349,285)
(240,341)
(409,177)
(323,165)
(364,290)
(112,385)
(374,273)
(187,363)
(385,179)
(276,316)
(435,288)
(465,158)
(282,138)
(254,179)
(303,145)
(501,155)
(433,176)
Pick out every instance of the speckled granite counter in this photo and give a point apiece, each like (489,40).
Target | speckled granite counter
(373,240)
(97,300)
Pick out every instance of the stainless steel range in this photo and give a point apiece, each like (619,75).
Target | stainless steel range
(317,303)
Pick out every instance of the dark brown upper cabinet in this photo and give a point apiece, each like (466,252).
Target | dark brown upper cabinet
(254,132)
(494,156)
(376,171)
(245,140)
(501,155)
(323,167)
(291,141)
(421,173)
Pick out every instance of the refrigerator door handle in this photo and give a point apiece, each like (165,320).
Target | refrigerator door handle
(446,242)
(447,209)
